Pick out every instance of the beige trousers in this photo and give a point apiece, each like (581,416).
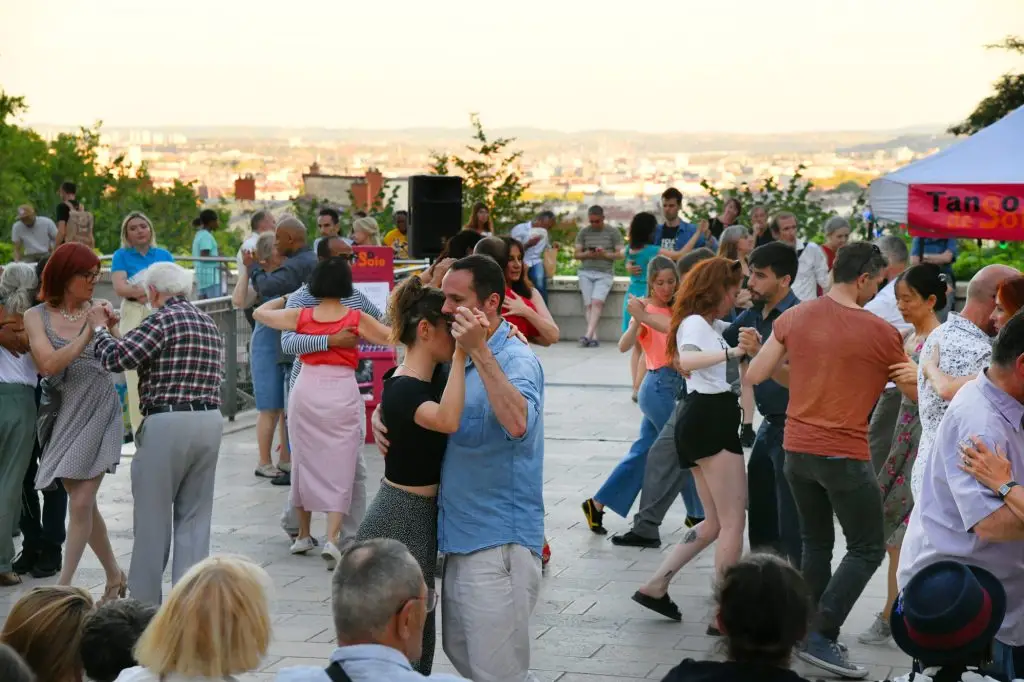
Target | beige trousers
(132,315)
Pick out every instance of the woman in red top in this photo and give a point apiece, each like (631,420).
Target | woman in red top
(524,306)
(325,409)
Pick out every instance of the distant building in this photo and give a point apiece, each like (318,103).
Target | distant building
(245,188)
(353,191)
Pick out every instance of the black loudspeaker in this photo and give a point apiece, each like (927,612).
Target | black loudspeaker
(435,213)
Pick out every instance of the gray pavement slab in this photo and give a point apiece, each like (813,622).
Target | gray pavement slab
(585,628)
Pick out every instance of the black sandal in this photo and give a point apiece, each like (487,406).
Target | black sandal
(661,605)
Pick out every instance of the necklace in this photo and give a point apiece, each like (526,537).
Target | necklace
(73,317)
(411,370)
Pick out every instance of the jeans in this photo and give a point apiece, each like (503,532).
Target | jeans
(773,521)
(42,526)
(539,278)
(848,487)
(657,401)
(1007,660)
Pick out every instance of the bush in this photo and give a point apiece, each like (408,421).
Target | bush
(973,258)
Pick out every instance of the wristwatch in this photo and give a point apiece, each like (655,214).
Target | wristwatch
(99,328)
(1005,489)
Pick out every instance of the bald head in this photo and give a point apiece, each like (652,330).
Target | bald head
(985,283)
(291,235)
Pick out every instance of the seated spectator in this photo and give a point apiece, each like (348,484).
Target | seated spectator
(758,641)
(45,627)
(946,619)
(380,604)
(215,624)
(109,638)
(12,668)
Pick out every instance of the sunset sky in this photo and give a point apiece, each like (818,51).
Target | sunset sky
(650,65)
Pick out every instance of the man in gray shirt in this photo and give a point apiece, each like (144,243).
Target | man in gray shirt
(33,236)
(597,249)
(956,517)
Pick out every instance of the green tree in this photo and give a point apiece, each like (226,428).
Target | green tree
(32,170)
(382,209)
(1007,96)
(490,175)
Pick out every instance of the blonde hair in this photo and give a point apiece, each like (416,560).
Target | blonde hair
(215,623)
(369,226)
(45,628)
(124,229)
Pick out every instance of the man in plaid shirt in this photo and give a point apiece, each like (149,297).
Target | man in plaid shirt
(178,352)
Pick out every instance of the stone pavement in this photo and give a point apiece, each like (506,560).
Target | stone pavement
(585,628)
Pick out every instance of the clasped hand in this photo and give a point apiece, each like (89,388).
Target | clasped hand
(102,313)
(469,328)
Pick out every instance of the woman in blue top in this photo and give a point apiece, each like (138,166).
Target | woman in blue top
(138,251)
(639,255)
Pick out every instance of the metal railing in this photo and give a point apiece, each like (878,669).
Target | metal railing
(236,390)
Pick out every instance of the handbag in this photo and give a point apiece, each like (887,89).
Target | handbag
(50,398)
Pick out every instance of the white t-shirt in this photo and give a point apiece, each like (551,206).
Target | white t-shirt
(884,305)
(698,334)
(523,232)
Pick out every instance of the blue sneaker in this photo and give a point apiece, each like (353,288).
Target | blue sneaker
(828,655)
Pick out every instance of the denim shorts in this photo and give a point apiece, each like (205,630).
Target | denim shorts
(268,374)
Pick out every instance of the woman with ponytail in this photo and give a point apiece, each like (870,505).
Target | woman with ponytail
(422,404)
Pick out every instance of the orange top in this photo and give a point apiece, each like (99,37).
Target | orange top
(654,343)
(839,360)
(342,357)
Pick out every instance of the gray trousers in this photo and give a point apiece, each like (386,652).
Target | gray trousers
(351,521)
(17,438)
(172,482)
(664,479)
(882,426)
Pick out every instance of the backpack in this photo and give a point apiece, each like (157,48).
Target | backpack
(79,226)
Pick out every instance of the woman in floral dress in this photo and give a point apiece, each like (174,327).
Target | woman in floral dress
(920,291)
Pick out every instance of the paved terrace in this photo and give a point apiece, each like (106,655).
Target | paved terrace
(585,628)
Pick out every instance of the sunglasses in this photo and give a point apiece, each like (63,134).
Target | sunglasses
(875,252)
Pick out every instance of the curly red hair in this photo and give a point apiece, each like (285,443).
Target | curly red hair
(701,292)
(1010,295)
(68,260)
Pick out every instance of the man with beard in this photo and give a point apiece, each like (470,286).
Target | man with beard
(840,357)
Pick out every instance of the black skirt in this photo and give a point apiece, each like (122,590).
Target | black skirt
(708,423)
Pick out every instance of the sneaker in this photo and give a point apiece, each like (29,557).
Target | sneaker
(595,517)
(631,539)
(302,545)
(48,564)
(331,555)
(878,633)
(593,343)
(284,478)
(747,436)
(25,561)
(584,342)
(267,471)
(284,467)
(692,521)
(826,654)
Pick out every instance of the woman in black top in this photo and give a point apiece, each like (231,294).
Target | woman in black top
(421,403)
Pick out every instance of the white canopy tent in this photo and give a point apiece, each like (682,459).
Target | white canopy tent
(994,155)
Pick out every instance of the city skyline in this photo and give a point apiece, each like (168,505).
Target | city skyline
(569,67)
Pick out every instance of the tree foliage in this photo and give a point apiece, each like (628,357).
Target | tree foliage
(798,196)
(1007,95)
(32,170)
(490,176)
(382,209)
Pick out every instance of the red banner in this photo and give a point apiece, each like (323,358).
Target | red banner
(973,211)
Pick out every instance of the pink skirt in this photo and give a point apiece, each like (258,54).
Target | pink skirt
(325,430)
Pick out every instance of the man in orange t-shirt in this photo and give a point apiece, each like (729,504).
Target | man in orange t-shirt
(840,358)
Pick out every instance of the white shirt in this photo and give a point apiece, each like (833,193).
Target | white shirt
(812,271)
(534,254)
(140,674)
(696,333)
(884,305)
(17,370)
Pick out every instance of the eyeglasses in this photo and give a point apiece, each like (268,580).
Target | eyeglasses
(429,602)
(91,277)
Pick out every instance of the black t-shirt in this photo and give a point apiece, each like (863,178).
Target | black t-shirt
(415,453)
(63,212)
(728,671)
(668,236)
(716,227)
(764,238)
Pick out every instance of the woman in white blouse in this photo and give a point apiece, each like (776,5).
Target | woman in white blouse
(707,429)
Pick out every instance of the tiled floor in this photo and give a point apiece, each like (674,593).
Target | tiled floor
(584,628)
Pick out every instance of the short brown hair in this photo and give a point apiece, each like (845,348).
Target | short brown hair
(68,261)
(45,628)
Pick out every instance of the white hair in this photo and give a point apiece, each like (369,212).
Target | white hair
(169,279)
(17,286)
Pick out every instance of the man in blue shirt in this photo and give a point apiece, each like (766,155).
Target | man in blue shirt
(205,246)
(380,604)
(941,252)
(675,237)
(491,505)
(773,520)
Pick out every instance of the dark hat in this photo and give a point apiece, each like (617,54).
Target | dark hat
(948,611)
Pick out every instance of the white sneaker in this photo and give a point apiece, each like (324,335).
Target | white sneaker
(330,554)
(302,545)
(878,633)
